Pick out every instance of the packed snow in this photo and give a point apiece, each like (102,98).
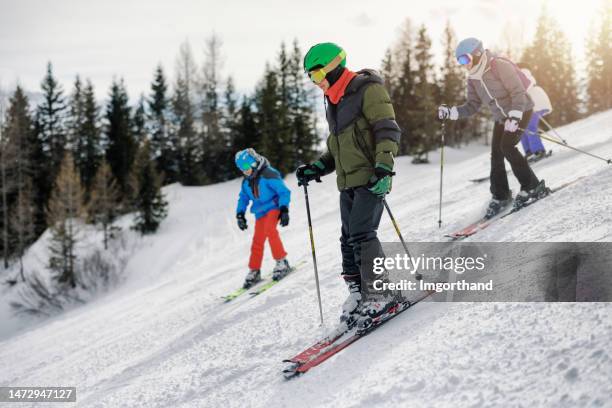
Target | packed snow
(163,338)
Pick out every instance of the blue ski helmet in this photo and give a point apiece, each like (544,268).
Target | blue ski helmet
(470,46)
(247,159)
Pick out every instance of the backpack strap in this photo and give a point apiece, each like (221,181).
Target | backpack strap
(524,79)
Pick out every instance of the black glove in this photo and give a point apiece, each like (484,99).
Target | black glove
(242,223)
(284,216)
(309,172)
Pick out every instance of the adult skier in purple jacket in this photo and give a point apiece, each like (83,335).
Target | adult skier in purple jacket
(496,82)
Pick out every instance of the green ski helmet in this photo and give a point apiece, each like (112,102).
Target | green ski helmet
(325,56)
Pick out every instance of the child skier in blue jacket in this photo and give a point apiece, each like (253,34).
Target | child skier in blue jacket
(264,187)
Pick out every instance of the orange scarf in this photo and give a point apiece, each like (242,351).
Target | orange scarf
(336,91)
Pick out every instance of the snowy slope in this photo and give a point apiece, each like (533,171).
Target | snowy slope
(165,339)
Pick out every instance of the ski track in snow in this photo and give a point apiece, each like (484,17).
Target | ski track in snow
(164,338)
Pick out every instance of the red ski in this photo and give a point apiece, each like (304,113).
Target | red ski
(484,223)
(470,229)
(313,350)
(326,348)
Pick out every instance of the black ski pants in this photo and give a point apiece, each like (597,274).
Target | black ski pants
(503,146)
(360,211)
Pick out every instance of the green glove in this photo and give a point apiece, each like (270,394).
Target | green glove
(380,182)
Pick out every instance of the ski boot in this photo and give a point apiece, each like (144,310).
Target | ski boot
(281,269)
(372,312)
(350,307)
(524,197)
(495,206)
(542,154)
(252,278)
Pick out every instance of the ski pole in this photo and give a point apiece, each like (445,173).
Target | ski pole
(441,171)
(544,136)
(314,255)
(552,129)
(399,234)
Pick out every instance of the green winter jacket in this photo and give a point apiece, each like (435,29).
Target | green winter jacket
(363,131)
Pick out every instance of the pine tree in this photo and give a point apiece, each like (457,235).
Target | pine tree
(51,120)
(50,127)
(121,148)
(231,127)
(190,148)
(301,111)
(139,122)
(88,151)
(76,115)
(599,57)
(151,205)
(550,60)
(248,131)
(272,122)
(18,136)
(5,158)
(568,103)
(452,87)
(163,142)
(425,92)
(23,221)
(388,72)
(102,207)
(215,148)
(403,87)
(231,106)
(65,214)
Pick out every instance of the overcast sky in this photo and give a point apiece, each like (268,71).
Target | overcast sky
(127,38)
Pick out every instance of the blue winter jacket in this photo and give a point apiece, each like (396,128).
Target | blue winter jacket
(266,189)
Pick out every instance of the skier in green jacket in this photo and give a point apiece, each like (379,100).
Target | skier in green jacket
(363,140)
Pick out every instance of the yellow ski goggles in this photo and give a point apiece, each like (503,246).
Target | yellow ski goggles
(318,75)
